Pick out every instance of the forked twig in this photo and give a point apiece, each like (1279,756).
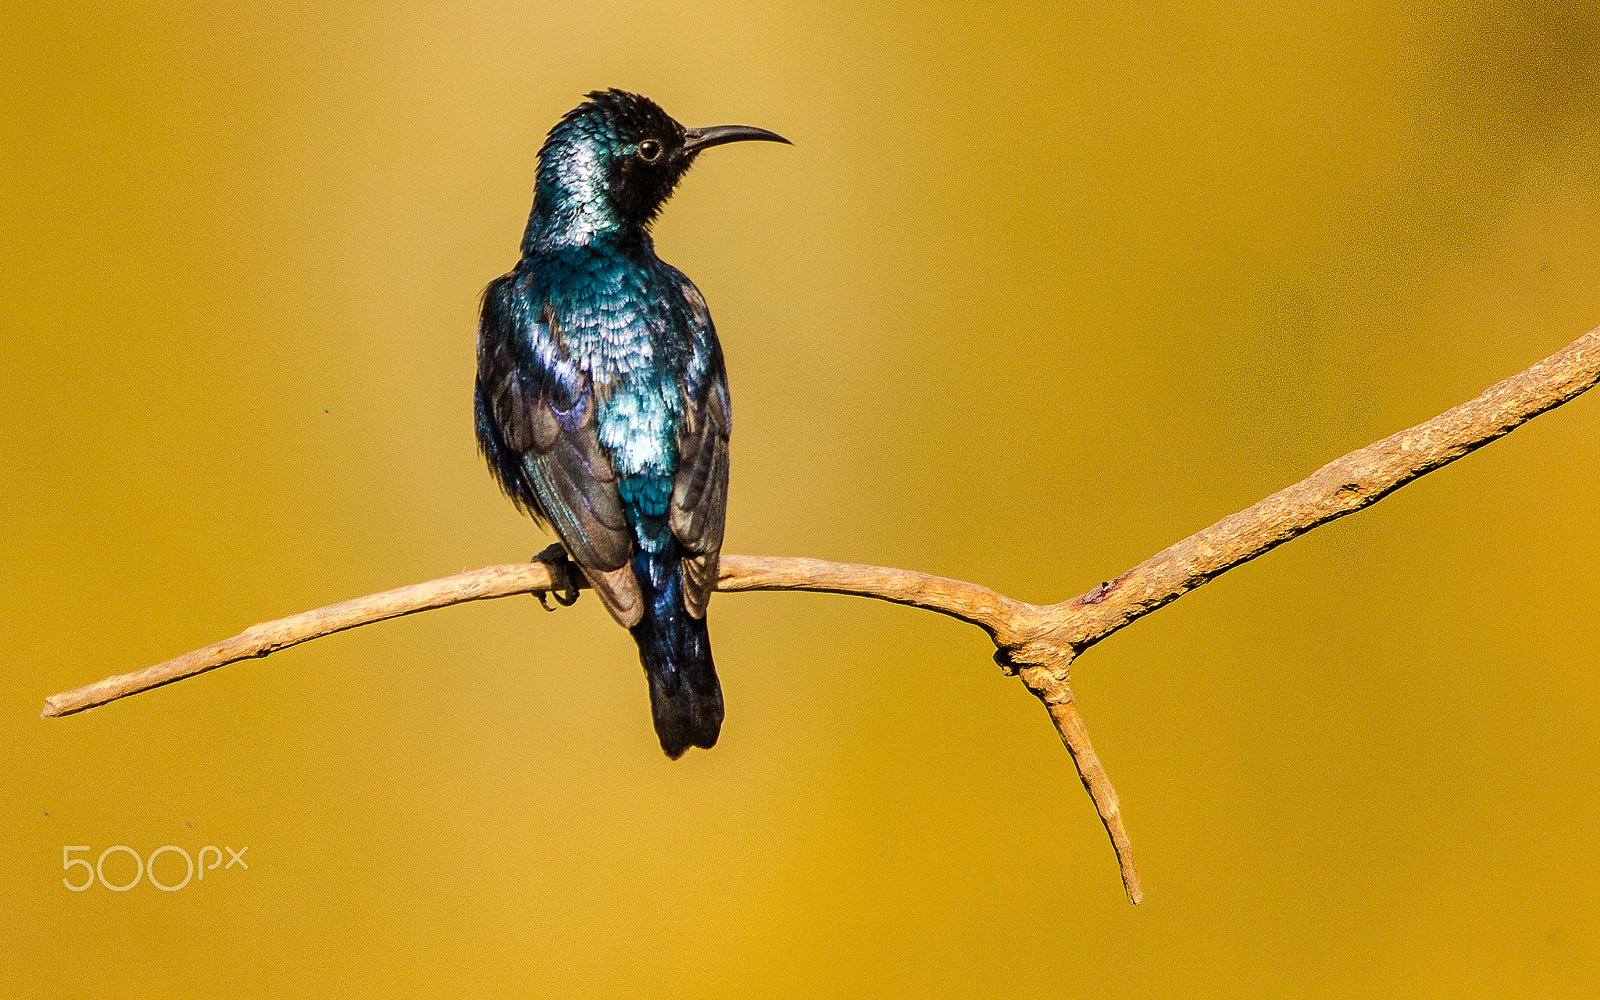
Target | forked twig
(1036,642)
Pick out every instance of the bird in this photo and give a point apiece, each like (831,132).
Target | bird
(601,398)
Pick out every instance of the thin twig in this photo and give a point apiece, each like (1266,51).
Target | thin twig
(1343,486)
(1036,642)
(281,633)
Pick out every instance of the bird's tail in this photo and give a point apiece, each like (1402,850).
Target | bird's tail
(675,649)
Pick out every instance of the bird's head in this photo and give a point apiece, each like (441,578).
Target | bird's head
(611,163)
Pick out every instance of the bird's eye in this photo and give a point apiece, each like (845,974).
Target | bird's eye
(650,151)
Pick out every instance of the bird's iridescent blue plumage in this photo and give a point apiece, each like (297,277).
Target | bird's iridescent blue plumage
(602,401)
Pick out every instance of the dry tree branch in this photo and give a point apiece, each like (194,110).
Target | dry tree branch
(1036,642)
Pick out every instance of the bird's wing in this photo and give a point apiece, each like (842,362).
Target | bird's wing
(700,485)
(537,428)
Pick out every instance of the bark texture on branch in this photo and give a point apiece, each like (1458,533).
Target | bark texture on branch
(1035,642)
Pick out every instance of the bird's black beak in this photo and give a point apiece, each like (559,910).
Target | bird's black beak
(696,139)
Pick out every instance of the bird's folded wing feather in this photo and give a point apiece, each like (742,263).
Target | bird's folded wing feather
(700,485)
(537,427)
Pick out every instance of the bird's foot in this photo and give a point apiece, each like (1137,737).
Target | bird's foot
(563,574)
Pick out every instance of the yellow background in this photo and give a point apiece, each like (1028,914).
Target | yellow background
(1037,291)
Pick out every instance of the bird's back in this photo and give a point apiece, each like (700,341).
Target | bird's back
(618,353)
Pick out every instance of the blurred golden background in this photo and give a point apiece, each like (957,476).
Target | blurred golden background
(1038,290)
